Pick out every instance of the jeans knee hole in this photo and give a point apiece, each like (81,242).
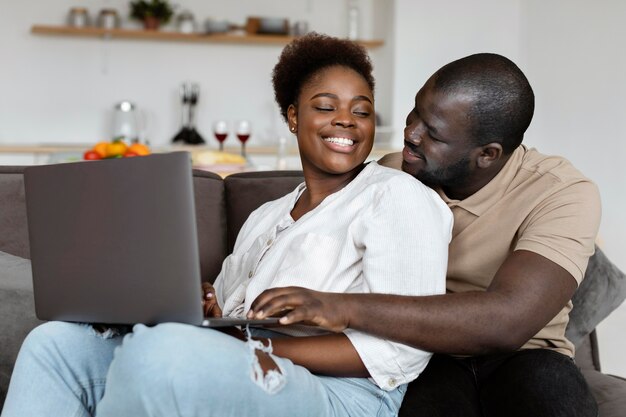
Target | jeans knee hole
(272,380)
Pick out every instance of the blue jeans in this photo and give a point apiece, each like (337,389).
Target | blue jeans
(526,383)
(66,369)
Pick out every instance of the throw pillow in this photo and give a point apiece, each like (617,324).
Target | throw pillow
(601,292)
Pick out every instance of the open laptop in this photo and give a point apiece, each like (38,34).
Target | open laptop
(115,241)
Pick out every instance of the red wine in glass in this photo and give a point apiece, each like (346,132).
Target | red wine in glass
(220,130)
(221,137)
(243,133)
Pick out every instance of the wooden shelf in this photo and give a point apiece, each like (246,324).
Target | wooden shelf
(161,35)
(47,149)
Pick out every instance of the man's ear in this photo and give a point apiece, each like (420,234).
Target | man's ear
(292,118)
(490,154)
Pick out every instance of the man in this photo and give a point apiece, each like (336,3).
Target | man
(525,226)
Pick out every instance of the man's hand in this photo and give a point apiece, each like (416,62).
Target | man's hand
(209,301)
(301,305)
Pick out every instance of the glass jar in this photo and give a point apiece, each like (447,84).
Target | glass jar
(108,19)
(78,17)
(125,123)
(186,22)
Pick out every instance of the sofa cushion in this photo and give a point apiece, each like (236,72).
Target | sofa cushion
(609,391)
(17,311)
(601,292)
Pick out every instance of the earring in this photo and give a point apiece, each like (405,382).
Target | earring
(293,128)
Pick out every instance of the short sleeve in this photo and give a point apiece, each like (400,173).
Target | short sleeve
(563,227)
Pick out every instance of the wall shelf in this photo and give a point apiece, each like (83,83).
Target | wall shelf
(79,148)
(162,35)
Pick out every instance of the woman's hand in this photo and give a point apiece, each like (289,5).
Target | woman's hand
(209,301)
(296,304)
(212,309)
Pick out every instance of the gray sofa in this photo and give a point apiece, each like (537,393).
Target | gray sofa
(222,206)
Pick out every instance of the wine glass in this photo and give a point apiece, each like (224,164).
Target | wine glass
(243,130)
(220,130)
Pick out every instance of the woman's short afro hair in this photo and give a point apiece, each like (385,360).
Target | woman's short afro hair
(305,56)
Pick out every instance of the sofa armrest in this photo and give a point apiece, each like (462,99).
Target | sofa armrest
(587,353)
(17,311)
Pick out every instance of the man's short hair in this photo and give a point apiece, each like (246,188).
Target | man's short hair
(503,101)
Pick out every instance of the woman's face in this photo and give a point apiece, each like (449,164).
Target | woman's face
(334,120)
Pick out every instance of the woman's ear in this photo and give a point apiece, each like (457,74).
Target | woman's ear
(292,118)
(489,154)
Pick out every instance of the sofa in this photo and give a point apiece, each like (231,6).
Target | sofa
(222,206)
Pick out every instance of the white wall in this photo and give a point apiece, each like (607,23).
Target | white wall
(573,55)
(429,34)
(577,67)
(62,89)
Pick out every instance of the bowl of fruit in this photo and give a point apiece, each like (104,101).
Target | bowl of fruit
(117,148)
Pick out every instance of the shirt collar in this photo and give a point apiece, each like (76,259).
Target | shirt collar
(287,220)
(490,194)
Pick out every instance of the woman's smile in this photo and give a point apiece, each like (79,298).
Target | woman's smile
(340,144)
(340,141)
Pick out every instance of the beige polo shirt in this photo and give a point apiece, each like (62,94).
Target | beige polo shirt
(537,203)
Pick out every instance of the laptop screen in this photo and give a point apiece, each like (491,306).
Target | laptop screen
(114,241)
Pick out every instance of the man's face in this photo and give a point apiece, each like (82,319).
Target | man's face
(437,141)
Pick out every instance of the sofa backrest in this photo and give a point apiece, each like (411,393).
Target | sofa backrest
(211,222)
(13,226)
(248,190)
(222,206)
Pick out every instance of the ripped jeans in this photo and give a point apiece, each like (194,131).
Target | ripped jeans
(172,369)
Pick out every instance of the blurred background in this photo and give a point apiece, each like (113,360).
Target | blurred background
(60,90)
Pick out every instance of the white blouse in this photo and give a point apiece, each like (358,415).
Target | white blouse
(385,232)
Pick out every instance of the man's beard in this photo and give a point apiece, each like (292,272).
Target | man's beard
(452,176)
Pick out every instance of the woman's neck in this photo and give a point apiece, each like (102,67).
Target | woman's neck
(318,187)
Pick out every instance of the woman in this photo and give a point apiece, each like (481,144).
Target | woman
(349,228)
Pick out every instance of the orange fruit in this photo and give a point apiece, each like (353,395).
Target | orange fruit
(101,149)
(139,148)
(116,148)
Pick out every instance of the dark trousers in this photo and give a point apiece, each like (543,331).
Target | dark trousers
(527,383)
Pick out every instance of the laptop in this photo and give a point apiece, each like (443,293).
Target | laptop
(115,241)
